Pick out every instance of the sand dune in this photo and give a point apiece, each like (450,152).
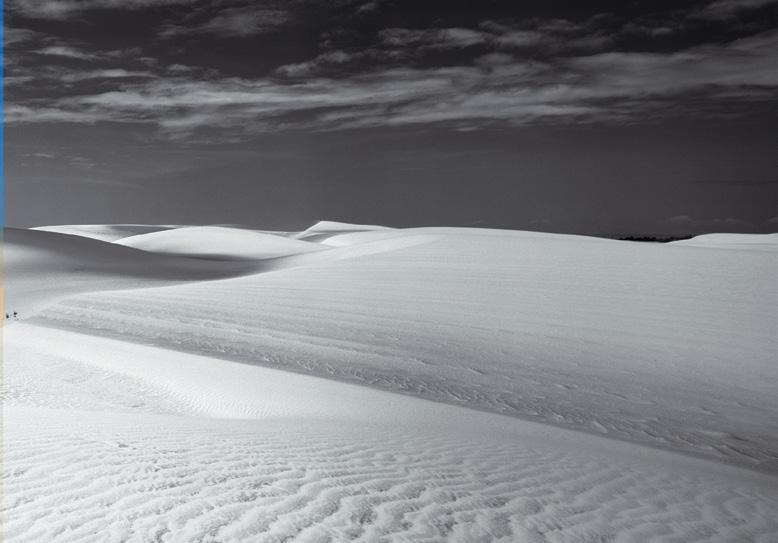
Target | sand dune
(762,242)
(104,232)
(139,457)
(127,416)
(659,344)
(41,267)
(323,230)
(219,242)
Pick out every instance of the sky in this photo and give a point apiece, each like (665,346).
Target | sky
(597,117)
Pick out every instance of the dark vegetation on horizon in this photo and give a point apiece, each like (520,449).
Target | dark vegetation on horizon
(654,239)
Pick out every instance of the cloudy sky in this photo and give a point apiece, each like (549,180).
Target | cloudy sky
(602,117)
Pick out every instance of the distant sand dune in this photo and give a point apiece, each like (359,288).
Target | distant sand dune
(764,242)
(323,230)
(104,232)
(40,267)
(219,242)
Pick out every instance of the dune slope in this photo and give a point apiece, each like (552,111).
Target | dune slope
(287,398)
(219,242)
(41,267)
(323,230)
(104,232)
(763,242)
(158,445)
(664,345)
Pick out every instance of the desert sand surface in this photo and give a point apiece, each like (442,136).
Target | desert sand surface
(361,383)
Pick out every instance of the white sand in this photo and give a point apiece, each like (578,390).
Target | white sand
(40,267)
(105,232)
(666,345)
(323,230)
(764,242)
(219,242)
(133,443)
(153,433)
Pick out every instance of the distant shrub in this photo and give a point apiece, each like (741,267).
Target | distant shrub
(655,239)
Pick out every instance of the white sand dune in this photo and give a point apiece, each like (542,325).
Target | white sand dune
(128,418)
(762,242)
(159,445)
(40,267)
(219,242)
(659,344)
(104,232)
(323,230)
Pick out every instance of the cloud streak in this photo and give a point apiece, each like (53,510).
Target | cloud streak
(65,9)
(498,72)
(608,86)
(729,9)
(67,51)
(234,22)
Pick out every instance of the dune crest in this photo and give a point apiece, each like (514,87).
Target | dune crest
(41,267)
(763,242)
(323,230)
(219,242)
(104,232)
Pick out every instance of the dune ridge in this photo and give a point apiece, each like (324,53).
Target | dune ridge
(41,267)
(766,242)
(104,232)
(219,242)
(323,230)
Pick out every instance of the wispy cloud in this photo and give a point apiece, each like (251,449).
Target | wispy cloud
(64,9)
(67,51)
(436,38)
(727,9)
(14,36)
(235,22)
(42,114)
(603,86)
(512,72)
(244,18)
(742,63)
